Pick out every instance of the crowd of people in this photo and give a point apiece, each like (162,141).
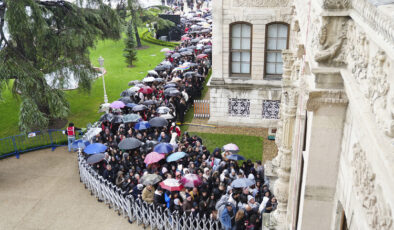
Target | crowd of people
(167,92)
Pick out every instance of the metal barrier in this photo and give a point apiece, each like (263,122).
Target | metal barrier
(15,145)
(201,109)
(136,210)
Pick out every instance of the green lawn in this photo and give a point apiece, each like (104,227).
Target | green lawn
(84,106)
(251,147)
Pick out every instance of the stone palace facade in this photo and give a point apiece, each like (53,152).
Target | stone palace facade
(335,138)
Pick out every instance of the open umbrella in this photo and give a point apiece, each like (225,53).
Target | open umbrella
(138,108)
(117,105)
(95,148)
(127,93)
(242,183)
(200,56)
(125,100)
(236,157)
(163,148)
(167,116)
(185,38)
(150,179)
(131,105)
(131,118)
(186,53)
(231,148)
(159,79)
(208,51)
(172,93)
(153,157)
(191,180)
(95,158)
(142,125)
(79,144)
(148,79)
(165,50)
(171,185)
(152,72)
(195,40)
(149,102)
(118,119)
(107,117)
(176,156)
(161,67)
(158,122)
(189,74)
(134,82)
(163,110)
(176,55)
(129,143)
(146,90)
(134,89)
(170,85)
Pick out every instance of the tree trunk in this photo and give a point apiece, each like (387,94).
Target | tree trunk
(137,35)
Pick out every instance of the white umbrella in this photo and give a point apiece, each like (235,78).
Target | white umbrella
(153,72)
(134,89)
(165,50)
(167,116)
(149,79)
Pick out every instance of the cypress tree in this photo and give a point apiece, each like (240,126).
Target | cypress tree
(130,52)
(45,37)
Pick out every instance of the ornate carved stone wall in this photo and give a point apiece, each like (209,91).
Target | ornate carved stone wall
(378,212)
(260,3)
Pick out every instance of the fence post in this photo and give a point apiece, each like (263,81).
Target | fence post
(15,147)
(50,138)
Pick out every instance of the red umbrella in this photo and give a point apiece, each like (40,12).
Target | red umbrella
(146,90)
(201,56)
(171,185)
(191,180)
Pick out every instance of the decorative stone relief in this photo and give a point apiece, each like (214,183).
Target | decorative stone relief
(358,51)
(317,98)
(260,3)
(377,211)
(238,107)
(330,40)
(271,109)
(336,4)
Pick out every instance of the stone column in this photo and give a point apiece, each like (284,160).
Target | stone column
(283,160)
(217,48)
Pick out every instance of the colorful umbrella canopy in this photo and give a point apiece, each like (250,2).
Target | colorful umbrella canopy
(80,144)
(117,105)
(176,156)
(163,148)
(146,90)
(200,56)
(150,179)
(185,38)
(171,185)
(95,158)
(129,143)
(95,148)
(191,180)
(142,125)
(131,118)
(236,157)
(153,157)
(158,122)
(242,183)
(231,148)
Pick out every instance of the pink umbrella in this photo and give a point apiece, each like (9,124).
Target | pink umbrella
(191,180)
(153,157)
(200,56)
(117,105)
(231,148)
(171,185)
(185,38)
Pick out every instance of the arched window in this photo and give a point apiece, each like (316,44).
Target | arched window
(277,39)
(240,48)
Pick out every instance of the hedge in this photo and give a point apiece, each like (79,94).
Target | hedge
(146,36)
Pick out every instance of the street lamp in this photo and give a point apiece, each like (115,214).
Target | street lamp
(101,62)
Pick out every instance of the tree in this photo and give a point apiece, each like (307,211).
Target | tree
(134,6)
(130,52)
(38,37)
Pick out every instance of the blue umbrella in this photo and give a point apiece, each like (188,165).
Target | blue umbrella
(95,148)
(163,148)
(131,105)
(176,156)
(236,157)
(142,125)
(80,144)
(242,183)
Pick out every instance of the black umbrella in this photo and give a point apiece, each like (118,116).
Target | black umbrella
(189,74)
(199,75)
(168,90)
(208,47)
(125,100)
(95,158)
(127,93)
(138,108)
(173,92)
(129,143)
(176,55)
(158,122)
(208,51)
(118,119)
(107,117)
(160,68)
(133,82)
(149,102)
(183,49)
(170,85)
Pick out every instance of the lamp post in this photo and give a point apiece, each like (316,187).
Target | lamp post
(101,62)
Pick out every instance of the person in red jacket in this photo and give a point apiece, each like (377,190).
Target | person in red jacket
(177,129)
(71,134)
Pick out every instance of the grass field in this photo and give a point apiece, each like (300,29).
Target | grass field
(84,106)
(251,147)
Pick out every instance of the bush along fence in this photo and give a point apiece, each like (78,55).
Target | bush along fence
(136,210)
(15,145)
(146,36)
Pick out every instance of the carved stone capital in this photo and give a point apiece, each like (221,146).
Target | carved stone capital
(336,4)
(317,98)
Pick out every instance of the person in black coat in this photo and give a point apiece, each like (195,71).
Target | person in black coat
(181,110)
(109,174)
(158,199)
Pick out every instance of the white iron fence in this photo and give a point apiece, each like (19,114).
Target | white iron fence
(138,210)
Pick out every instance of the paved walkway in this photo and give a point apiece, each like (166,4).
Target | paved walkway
(41,190)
